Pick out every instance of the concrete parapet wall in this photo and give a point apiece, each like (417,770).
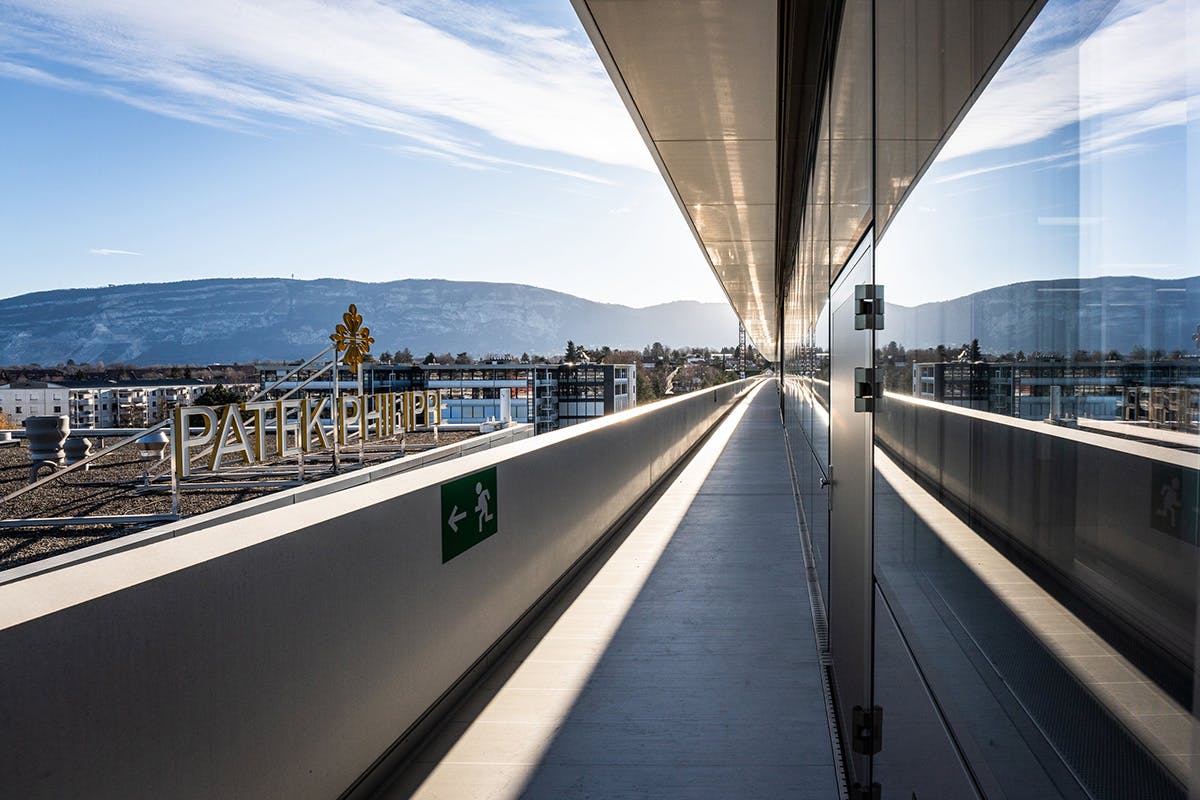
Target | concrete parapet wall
(286,497)
(1085,505)
(279,654)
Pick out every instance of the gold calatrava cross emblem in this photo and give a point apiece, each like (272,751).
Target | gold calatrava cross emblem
(351,338)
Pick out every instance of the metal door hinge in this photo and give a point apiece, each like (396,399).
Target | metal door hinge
(867,388)
(860,792)
(868,730)
(868,307)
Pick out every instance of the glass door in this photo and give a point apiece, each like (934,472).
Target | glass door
(851,599)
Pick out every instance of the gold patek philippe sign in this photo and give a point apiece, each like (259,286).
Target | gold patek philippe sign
(299,425)
(303,425)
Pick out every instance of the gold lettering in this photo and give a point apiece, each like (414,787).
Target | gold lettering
(285,426)
(313,411)
(350,406)
(184,441)
(237,444)
(387,417)
(433,407)
(368,412)
(405,399)
(300,425)
(418,409)
(259,409)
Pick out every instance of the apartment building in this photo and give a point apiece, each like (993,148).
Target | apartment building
(102,404)
(551,396)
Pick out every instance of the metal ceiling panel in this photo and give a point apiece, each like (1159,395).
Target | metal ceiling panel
(733,223)
(743,254)
(699,78)
(708,65)
(722,171)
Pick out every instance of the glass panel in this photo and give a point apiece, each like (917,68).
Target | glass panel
(850,132)
(806,376)
(817,396)
(1038,451)
(929,57)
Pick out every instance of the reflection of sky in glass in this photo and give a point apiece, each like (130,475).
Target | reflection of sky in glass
(1073,163)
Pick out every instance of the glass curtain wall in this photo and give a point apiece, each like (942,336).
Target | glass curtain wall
(806,367)
(1029,170)
(1036,494)
(837,214)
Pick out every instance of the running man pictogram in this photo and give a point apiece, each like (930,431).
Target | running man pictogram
(481,505)
(477,493)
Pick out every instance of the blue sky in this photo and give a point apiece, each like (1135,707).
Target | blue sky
(145,140)
(1078,160)
(148,141)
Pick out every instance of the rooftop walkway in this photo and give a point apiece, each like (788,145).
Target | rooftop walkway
(680,663)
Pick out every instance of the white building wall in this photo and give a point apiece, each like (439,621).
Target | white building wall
(102,407)
(19,403)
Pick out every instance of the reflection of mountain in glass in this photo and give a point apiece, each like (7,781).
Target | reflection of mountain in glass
(1059,316)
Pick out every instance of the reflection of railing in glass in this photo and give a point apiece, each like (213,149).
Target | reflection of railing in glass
(1110,525)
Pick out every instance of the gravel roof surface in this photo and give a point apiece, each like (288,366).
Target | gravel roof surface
(115,484)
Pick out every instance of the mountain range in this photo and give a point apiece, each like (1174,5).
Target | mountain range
(246,319)
(1057,316)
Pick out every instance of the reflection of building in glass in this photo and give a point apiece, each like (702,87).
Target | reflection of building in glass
(979,385)
(1172,407)
(550,395)
(1161,394)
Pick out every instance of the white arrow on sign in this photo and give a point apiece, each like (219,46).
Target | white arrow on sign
(455,518)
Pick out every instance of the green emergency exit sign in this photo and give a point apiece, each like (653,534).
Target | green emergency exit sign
(470,512)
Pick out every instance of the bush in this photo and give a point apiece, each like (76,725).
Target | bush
(220,396)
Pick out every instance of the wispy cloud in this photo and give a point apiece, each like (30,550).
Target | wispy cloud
(1069,222)
(451,78)
(1094,85)
(106,251)
(1004,166)
(465,157)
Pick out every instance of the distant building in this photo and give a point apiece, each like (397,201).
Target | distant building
(550,396)
(102,404)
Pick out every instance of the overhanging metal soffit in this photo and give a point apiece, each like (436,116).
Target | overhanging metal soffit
(700,79)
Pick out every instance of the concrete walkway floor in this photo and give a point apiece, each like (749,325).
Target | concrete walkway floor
(683,664)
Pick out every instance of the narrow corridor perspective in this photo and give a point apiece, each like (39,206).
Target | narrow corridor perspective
(683,664)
